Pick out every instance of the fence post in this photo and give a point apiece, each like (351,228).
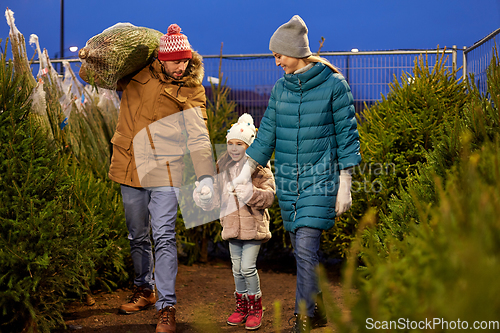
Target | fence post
(454,57)
(464,70)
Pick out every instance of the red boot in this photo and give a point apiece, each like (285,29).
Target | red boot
(240,314)
(255,312)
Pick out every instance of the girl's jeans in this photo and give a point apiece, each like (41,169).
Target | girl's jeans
(244,258)
(160,207)
(305,242)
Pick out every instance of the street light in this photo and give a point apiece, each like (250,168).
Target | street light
(62,30)
(73,48)
(62,35)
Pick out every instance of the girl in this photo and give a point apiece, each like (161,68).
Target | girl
(310,124)
(244,218)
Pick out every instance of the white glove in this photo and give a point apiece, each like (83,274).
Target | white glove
(245,175)
(244,192)
(344,200)
(205,188)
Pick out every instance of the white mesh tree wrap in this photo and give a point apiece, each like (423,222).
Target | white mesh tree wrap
(116,52)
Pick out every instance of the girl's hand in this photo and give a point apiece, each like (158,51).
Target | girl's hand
(244,177)
(244,192)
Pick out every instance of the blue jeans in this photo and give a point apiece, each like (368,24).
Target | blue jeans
(305,242)
(154,211)
(244,258)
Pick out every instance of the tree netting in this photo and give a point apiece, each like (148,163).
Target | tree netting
(116,52)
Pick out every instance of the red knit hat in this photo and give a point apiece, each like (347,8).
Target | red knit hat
(174,45)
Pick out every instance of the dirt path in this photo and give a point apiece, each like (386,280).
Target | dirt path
(205,300)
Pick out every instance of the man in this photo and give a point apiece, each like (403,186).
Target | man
(162,115)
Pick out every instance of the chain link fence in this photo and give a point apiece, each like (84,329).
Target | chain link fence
(251,77)
(478,57)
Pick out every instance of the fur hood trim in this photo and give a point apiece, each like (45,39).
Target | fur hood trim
(196,71)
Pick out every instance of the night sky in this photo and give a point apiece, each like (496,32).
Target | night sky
(246,26)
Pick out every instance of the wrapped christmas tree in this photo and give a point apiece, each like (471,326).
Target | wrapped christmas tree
(116,52)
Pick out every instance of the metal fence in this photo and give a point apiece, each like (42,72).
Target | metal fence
(478,57)
(251,77)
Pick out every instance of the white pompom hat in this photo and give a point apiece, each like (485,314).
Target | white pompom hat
(243,130)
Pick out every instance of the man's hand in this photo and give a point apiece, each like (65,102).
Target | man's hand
(205,188)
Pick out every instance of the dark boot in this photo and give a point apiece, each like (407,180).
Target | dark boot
(241,313)
(166,320)
(302,324)
(319,319)
(255,313)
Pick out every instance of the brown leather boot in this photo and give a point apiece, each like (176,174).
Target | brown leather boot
(141,299)
(166,320)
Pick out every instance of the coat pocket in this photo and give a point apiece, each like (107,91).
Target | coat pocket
(122,154)
(121,140)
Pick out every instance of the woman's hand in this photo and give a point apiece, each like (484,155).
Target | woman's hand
(244,192)
(344,199)
(245,175)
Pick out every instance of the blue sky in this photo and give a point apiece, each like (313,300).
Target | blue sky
(245,26)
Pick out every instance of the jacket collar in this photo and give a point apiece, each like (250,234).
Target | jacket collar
(315,76)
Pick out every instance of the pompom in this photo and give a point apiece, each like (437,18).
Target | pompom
(174,29)
(246,118)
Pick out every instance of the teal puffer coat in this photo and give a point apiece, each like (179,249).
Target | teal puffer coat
(310,123)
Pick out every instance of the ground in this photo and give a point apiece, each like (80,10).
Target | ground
(205,300)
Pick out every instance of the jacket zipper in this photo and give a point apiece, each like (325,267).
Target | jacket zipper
(297,164)
(235,199)
(180,85)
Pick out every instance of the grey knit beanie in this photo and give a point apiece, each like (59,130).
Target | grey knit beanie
(291,40)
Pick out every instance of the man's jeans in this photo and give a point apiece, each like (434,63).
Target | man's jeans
(305,242)
(141,204)
(244,259)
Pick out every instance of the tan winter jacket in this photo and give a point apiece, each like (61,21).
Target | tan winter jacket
(160,121)
(248,221)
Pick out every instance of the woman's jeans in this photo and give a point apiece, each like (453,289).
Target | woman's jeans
(305,242)
(147,210)
(244,258)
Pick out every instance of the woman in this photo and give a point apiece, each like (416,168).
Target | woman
(310,124)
